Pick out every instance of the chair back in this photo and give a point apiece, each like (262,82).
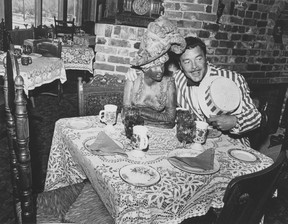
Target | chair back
(64,29)
(41,31)
(49,49)
(18,141)
(100,90)
(247,196)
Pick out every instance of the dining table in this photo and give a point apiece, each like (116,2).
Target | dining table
(75,56)
(78,57)
(41,71)
(167,193)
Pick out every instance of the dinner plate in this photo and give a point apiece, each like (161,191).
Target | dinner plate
(79,124)
(213,133)
(190,153)
(242,155)
(139,175)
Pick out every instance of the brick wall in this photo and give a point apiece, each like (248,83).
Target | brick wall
(242,41)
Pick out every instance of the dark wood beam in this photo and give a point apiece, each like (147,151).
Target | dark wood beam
(8,14)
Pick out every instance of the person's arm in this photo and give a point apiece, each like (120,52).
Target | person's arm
(167,117)
(131,75)
(250,117)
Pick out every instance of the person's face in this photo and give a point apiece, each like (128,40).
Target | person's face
(193,63)
(156,72)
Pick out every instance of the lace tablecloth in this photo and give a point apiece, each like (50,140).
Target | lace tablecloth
(75,57)
(43,70)
(78,57)
(177,196)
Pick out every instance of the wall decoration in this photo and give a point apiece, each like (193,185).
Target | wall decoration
(138,12)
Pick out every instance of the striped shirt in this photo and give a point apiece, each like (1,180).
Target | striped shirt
(248,119)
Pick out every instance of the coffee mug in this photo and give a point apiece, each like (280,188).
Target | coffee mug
(201,132)
(26,60)
(109,114)
(140,138)
(27,49)
(18,51)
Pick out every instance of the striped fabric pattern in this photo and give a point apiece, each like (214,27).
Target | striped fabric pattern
(248,119)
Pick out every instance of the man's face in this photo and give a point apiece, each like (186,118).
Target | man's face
(193,63)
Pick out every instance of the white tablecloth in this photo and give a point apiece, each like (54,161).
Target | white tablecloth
(43,70)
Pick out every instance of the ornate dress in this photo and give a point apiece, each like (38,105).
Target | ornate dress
(155,101)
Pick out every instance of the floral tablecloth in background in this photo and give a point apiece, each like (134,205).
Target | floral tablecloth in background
(75,56)
(177,196)
(78,57)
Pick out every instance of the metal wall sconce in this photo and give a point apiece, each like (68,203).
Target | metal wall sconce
(220,10)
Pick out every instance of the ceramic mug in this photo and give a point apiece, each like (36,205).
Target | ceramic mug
(27,49)
(25,60)
(109,114)
(201,132)
(18,51)
(140,138)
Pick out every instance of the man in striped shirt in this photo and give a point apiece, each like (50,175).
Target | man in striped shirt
(194,69)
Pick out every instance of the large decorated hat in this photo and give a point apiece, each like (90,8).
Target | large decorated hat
(218,95)
(161,35)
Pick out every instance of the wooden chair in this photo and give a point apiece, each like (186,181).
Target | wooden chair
(50,206)
(49,49)
(64,29)
(246,197)
(100,90)
(42,32)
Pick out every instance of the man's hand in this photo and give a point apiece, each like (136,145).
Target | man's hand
(223,122)
(131,74)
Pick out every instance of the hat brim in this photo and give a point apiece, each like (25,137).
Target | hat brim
(140,61)
(201,97)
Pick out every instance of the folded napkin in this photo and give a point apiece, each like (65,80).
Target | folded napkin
(105,146)
(204,161)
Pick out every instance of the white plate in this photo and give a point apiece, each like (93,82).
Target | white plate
(187,168)
(139,175)
(79,124)
(242,155)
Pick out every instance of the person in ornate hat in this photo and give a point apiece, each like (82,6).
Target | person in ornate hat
(152,94)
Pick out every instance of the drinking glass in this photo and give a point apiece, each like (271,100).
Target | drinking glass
(185,126)
(131,118)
